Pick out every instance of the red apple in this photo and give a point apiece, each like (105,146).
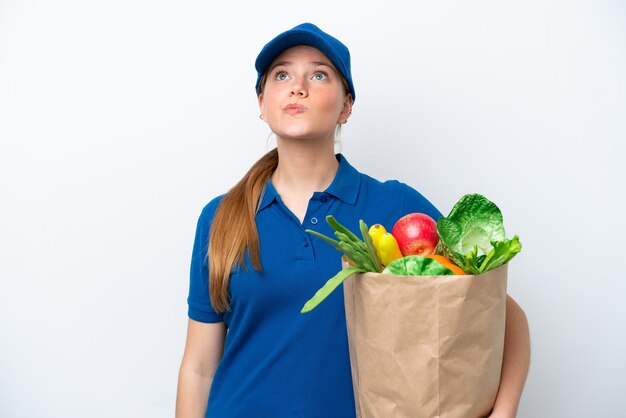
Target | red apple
(416,234)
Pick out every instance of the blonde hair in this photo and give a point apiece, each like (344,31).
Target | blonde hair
(233,229)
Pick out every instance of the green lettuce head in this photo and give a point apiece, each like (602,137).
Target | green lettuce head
(473,236)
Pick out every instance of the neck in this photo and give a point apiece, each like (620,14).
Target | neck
(304,167)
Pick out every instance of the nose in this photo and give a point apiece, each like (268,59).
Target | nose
(299,89)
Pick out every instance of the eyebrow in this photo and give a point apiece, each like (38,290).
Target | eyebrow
(313,63)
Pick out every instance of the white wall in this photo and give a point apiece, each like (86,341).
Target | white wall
(119,120)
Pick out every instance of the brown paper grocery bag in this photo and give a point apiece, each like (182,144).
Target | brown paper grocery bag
(425,346)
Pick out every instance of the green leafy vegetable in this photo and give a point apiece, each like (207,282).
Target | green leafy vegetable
(473,235)
(328,288)
(501,253)
(371,249)
(362,254)
(415,265)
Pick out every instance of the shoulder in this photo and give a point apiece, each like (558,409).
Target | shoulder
(382,186)
(208,211)
(400,194)
(206,217)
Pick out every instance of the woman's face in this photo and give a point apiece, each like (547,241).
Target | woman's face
(303,95)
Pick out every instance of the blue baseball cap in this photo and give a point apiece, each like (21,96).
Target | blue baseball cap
(306,34)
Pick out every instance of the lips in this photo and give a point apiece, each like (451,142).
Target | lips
(294,108)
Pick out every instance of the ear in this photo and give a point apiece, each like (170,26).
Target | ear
(346,110)
(262,107)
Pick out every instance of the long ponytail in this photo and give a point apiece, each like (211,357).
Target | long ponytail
(234,230)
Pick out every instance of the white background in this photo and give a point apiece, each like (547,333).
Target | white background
(120,120)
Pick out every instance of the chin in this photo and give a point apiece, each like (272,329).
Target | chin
(297,132)
(306,132)
(301,137)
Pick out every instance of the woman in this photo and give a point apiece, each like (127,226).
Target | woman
(275,362)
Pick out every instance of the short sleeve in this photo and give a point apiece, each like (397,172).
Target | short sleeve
(199,302)
(414,201)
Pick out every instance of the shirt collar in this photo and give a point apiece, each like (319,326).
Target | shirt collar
(347,181)
(345,185)
(269,195)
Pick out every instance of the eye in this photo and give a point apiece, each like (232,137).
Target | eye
(281,76)
(320,75)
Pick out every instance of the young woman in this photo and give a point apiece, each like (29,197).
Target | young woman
(249,351)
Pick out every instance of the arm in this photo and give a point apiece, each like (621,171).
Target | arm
(203,352)
(515,362)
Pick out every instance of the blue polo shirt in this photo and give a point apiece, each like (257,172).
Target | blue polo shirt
(277,362)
